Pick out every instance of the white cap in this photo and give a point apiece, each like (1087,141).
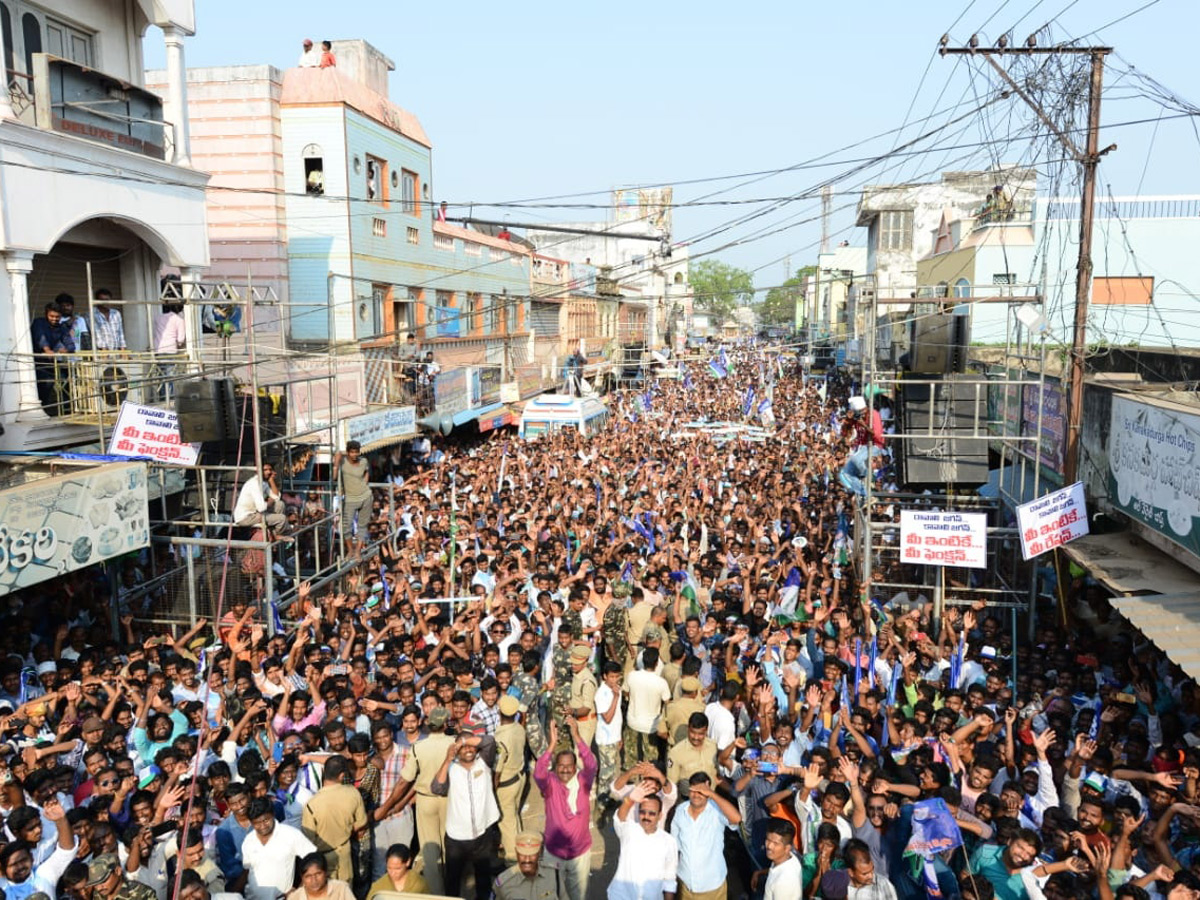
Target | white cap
(857,404)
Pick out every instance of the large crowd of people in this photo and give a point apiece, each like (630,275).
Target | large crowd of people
(663,634)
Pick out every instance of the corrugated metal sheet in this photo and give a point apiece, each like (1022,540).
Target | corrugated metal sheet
(544,318)
(1172,622)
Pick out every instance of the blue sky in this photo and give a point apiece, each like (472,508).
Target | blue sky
(541,99)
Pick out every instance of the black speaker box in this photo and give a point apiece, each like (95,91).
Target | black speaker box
(206,411)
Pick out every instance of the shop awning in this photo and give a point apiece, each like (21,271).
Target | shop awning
(467,415)
(497,419)
(1158,595)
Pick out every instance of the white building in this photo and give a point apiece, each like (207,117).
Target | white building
(96,188)
(634,248)
(827,301)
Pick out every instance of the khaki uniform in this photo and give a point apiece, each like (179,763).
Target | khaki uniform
(510,784)
(422,764)
(513,885)
(675,718)
(330,818)
(583,695)
(639,618)
(671,673)
(684,760)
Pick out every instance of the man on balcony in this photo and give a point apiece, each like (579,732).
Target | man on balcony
(108,326)
(51,339)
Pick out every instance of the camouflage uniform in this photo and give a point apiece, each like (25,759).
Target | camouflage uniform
(614,629)
(572,622)
(530,695)
(133,890)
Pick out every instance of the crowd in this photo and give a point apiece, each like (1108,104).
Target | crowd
(663,634)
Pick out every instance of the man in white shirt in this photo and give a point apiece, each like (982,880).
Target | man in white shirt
(258,501)
(269,852)
(785,877)
(722,727)
(649,860)
(648,693)
(309,58)
(465,780)
(608,731)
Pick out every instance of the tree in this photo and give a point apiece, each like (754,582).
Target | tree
(779,306)
(719,288)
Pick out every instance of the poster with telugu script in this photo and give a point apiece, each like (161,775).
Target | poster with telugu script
(937,538)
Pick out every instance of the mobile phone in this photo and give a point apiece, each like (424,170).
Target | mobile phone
(768,768)
(277,751)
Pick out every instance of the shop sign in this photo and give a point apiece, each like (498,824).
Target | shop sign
(60,524)
(1052,520)
(1154,470)
(150,431)
(383,426)
(943,538)
(451,391)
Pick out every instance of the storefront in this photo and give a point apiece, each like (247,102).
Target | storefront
(66,515)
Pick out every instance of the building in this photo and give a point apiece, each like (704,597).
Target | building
(1142,267)
(322,192)
(98,192)
(636,250)
(826,302)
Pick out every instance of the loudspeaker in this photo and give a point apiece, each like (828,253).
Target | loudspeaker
(938,343)
(947,455)
(206,411)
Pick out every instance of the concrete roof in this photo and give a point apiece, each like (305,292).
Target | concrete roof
(321,87)
(445,228)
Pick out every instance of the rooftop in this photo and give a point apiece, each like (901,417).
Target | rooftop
(322,87)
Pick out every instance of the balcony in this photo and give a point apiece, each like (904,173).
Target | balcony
(63,96)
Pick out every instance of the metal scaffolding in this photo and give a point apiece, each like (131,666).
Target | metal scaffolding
(997,382)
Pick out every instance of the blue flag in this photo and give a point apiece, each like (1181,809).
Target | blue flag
(687,382)
(874,656)
(717,369)
(646,401)
(845,697)
(857,666)
(275,620)
(894,685)
(627,571)
(956,661)
(748,402)
(934,831)
(1094,729)
(723,359)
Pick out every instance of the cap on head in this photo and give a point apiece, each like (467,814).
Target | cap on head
(438,717)
(580,653)
(308,42)
(529,842)
(857,404)
(509,705)
(689,684)
(100,868)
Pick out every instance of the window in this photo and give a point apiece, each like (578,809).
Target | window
(512,314)
(472,249)
(1004,278)
(895,229)
(67,42)
(1123,291)
(962,288)
(414,236)
(376,183)
(495,254)
(379,227)
(492,314)
(409,194)
(314,169)
(476,313)
(446,314)
(6,29)
(443,242)
(31,34)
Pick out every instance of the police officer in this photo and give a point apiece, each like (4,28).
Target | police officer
(510,772)
(528,879)
(422,765)
(106,878)
(582,701)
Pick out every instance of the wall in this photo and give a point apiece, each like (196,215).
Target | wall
(237,137)
(1150,236)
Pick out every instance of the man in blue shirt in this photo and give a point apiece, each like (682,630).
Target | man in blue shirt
(50,340)
(699,829)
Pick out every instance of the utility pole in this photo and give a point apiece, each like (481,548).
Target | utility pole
(826,210)
(1088,158)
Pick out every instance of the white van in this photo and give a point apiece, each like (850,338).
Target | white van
(550,412)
